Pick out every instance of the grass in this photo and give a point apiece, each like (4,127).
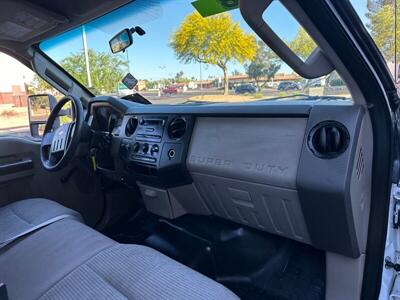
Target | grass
(258,96)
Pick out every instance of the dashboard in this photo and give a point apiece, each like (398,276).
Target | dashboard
(298,169)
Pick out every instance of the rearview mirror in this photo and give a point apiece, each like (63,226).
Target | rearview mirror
(39,108)
(121,41)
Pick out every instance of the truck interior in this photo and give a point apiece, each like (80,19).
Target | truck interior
(279,199)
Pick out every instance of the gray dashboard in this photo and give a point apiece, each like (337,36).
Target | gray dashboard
(299,169)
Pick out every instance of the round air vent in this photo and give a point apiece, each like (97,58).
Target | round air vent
(131,126)
(177,128)
(328,139)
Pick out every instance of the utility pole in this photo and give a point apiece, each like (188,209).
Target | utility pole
(201,81)
(127,59)
(85,50)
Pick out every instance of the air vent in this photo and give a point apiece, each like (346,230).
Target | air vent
(177,128)
(131,126)
(328,139)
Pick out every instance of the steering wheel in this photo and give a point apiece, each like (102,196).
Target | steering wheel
(58,145)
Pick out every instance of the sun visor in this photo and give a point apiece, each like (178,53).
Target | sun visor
(22,21)
(212,7)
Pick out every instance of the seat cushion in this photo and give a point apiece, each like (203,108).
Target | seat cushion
(136,272)
(21,216)
(69,260)
(31,265)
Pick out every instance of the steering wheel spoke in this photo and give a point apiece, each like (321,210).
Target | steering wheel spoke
(60,139)
(47,139)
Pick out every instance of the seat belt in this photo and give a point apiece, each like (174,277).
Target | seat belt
(33,228)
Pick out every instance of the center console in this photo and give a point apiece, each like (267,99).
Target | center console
(155,147)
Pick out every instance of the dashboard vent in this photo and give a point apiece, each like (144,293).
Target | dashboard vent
(131,126)
(329,139)
(177,128)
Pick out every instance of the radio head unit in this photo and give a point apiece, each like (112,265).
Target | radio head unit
(158,145)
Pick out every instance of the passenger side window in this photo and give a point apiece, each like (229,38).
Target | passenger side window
(17,82)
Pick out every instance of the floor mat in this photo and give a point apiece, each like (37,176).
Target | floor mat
(253,264)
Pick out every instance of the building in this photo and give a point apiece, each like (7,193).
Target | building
(15,98)
(13,79)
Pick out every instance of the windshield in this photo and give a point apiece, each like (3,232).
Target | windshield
(185,57)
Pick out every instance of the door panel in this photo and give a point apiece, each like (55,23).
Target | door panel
(15,165)
(22,176)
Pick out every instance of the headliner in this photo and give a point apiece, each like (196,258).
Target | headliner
(23,23)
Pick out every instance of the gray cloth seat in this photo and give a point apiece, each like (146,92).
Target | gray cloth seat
(69,260)
(25,215)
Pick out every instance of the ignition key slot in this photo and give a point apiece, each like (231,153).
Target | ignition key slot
(171,153)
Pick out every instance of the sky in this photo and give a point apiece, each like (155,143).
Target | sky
(12,73)
(150,56)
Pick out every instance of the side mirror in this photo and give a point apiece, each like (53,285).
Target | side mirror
(39,108)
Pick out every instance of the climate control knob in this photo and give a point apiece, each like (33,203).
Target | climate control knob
(136,147)
(145,148)
(154,149)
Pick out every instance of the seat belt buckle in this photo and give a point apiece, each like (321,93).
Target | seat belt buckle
(3,291)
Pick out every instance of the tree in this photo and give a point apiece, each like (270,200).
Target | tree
(106,70)
(303,45)
(215,40)
(179,76)
(236,73)
(381,25)
(39,86)
(264,64)
(374,6)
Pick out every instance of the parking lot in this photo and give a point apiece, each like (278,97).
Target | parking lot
(206,95)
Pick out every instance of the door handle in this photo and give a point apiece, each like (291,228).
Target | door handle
(15,167)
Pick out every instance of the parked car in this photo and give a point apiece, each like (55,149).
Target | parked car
(245,88)
(288,86)
(170,90)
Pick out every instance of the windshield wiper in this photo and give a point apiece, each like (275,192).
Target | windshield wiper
(198,102)
(304,96)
